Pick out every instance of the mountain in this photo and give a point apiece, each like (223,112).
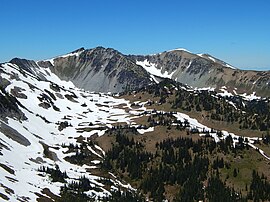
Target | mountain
(98,69)
(157,140)
(203,70)
(107,70)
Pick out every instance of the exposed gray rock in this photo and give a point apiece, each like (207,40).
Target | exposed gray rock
(24,64)
(100,69)
(9,106)
(13,134)
(17,92)
(4,82)
(29,67)
(206,71)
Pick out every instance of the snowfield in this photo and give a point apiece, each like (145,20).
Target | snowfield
(67,103)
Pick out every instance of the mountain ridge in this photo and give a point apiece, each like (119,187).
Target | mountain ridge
(108,70)
(198,71)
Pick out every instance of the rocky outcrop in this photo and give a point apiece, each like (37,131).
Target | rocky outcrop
(9,106)
(13,134)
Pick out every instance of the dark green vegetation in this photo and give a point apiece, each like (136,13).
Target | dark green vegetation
(82,154)
(74,188)
(55,174)
(182,169)
(254,114)
(128,156)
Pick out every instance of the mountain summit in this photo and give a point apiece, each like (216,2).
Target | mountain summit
(107,70)
(99,69)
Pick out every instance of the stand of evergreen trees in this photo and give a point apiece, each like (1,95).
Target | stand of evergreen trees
(55,173)
(259,188)
(75,191)
(188,165)
(184,163)
(254,114)
(82,154)
(127,156)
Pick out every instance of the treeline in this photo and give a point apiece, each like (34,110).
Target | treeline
(166,119)
(254,114)
(218,191)
(193,168)
(75,191)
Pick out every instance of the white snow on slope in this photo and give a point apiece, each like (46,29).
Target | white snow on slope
(204,89)
(225,92)
(230,66)
(142,131)
(245,96)
(203,130)
(214,60)
(74,106)
(189,64)
(152,69)
(250,97)
(154,78)
(211,58)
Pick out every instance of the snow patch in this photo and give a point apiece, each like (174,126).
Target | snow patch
(152,69)
(230,66)
(142,131)
(189,64)
(179,49)
(204,89)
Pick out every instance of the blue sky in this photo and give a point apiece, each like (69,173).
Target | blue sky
(236,31)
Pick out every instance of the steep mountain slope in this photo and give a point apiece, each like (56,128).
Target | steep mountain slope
(203,70)
(45,124)
(99,69)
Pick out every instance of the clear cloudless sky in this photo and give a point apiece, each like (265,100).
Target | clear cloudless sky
(236,31)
